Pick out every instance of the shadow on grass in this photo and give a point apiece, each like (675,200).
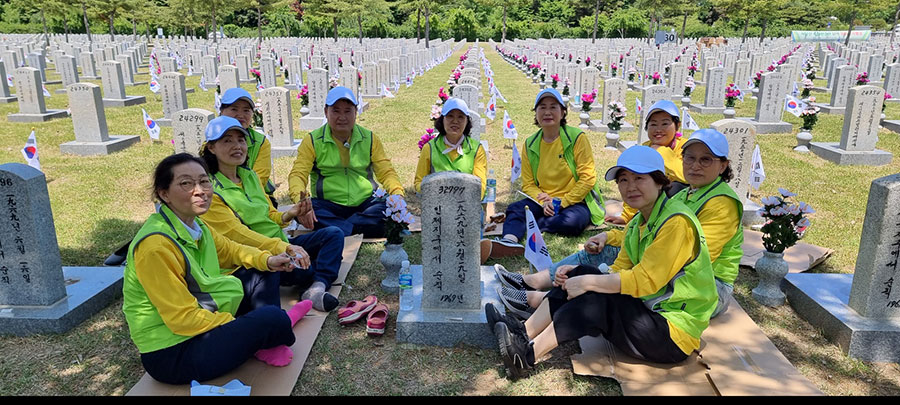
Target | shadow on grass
(108,236)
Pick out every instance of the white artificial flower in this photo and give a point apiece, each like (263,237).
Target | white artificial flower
(786,193)
(770,201)
(806,208)
(379,193)
(794,209)
(803,223)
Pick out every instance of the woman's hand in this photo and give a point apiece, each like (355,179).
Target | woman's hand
(560,279)
(291,214)
(300,257)
(279,263)
(576,286)
(548,209)
(595,243)
(309,220)
(618,220)
(544,197)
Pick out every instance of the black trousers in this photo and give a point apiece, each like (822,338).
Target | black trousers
(622,319)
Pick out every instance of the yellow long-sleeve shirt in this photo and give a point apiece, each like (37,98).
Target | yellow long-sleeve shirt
(673,246)
(674,169)
(160,268)
(424,167)
(554,175)
(221,218)
(263,164)
(306,155)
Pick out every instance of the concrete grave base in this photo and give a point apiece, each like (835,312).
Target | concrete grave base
(892,100)
(626,144)
(164,122)
(833,153)
(53,82)
(60,91)
(576,107)
(47,116)
(88,290)
(10,99)
(281,151)
(89,77)
(702,109)
(751,216)
(189,90)
(821,89)
(770,127)
(124,102)
(114,144)
(371,96)
(308,123)
(451,327)
(832,110)
(821,299)
(245,80)
(136,84)
(890,125)
(598,126)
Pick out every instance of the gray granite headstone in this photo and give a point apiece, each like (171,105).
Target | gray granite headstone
(89,124)
(188,128)
(843,78)
(5,96)
(860,131)
(278,121)
(30,97)
(228,77)
(174,96)
(243,65)
(677,77)
(892,80)
(650,95)
(114,86)
(714,99)
(65,65)
(267,74)
(741,137)
(295,72)
(450,288)
(875,67)
(770,105)
(742,74)
(37,294)
(317,81)
(210,68)
(861,311)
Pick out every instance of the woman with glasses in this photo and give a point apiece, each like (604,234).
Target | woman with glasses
(185,311)
(707,170)
(241,211)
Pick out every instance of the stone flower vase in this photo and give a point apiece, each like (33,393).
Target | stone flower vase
(543,85)
(304,111)
(729,112)
(612,140)
(585,120)
(565,100)
(803,139)
(685,101)
(392,258)
(771,269)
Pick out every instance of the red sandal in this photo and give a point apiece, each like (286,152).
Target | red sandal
(376,320)
(354,310)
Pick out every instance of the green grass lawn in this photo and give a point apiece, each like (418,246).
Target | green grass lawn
(100,202)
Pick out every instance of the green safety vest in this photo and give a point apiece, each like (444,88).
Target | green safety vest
(726,265)
(345,185)
(594,199)
(249,204)
(214,291)
(689,298)
(464,163)
(254,144)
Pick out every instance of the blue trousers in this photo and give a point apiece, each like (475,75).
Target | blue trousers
(366,218)
(260,289)
(222,349)
(570,221)
(607,255)
(325,247)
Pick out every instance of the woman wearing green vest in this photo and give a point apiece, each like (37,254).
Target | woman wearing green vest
(238,104)
(653,304)
(557,164)
(452,150)
(242,212)
(717,207)
(185,312)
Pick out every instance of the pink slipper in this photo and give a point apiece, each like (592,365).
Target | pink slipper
(354,310)
(376,320)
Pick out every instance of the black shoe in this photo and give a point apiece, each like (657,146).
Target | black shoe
(511,280)
(118,257)
(514,350)
(516,302)
(494,316)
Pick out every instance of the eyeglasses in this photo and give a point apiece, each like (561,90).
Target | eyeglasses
(188,185)
(704,161)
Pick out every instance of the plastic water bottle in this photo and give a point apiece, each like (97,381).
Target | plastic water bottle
(490,191)
(406,298)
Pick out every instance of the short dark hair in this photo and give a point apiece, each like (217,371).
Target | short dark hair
(658,177)
(439,125)
(165,173)
(212,162)
(728,174)
(562,122)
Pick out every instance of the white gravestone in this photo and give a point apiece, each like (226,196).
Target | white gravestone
(317,80)
(114,86)
(174,96)
(228,77)
(188,128)
(30,97)
(844,78)
(5,96)
(714,99)
(770,105)
(278,121)
(614,89)
(89,124)
(860,131)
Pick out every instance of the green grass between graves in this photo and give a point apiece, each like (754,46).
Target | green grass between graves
(100,202)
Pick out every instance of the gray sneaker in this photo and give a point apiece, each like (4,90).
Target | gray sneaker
(515,301)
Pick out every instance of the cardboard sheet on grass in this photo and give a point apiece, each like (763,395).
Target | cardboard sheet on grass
(736,358)
(800,257)
(264,379)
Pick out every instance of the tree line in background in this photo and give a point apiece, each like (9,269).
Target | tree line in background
(470,20)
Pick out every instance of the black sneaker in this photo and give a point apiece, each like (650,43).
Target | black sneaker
(511,280)
(505,247)
(514,350)
(494,316)
(515,301)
